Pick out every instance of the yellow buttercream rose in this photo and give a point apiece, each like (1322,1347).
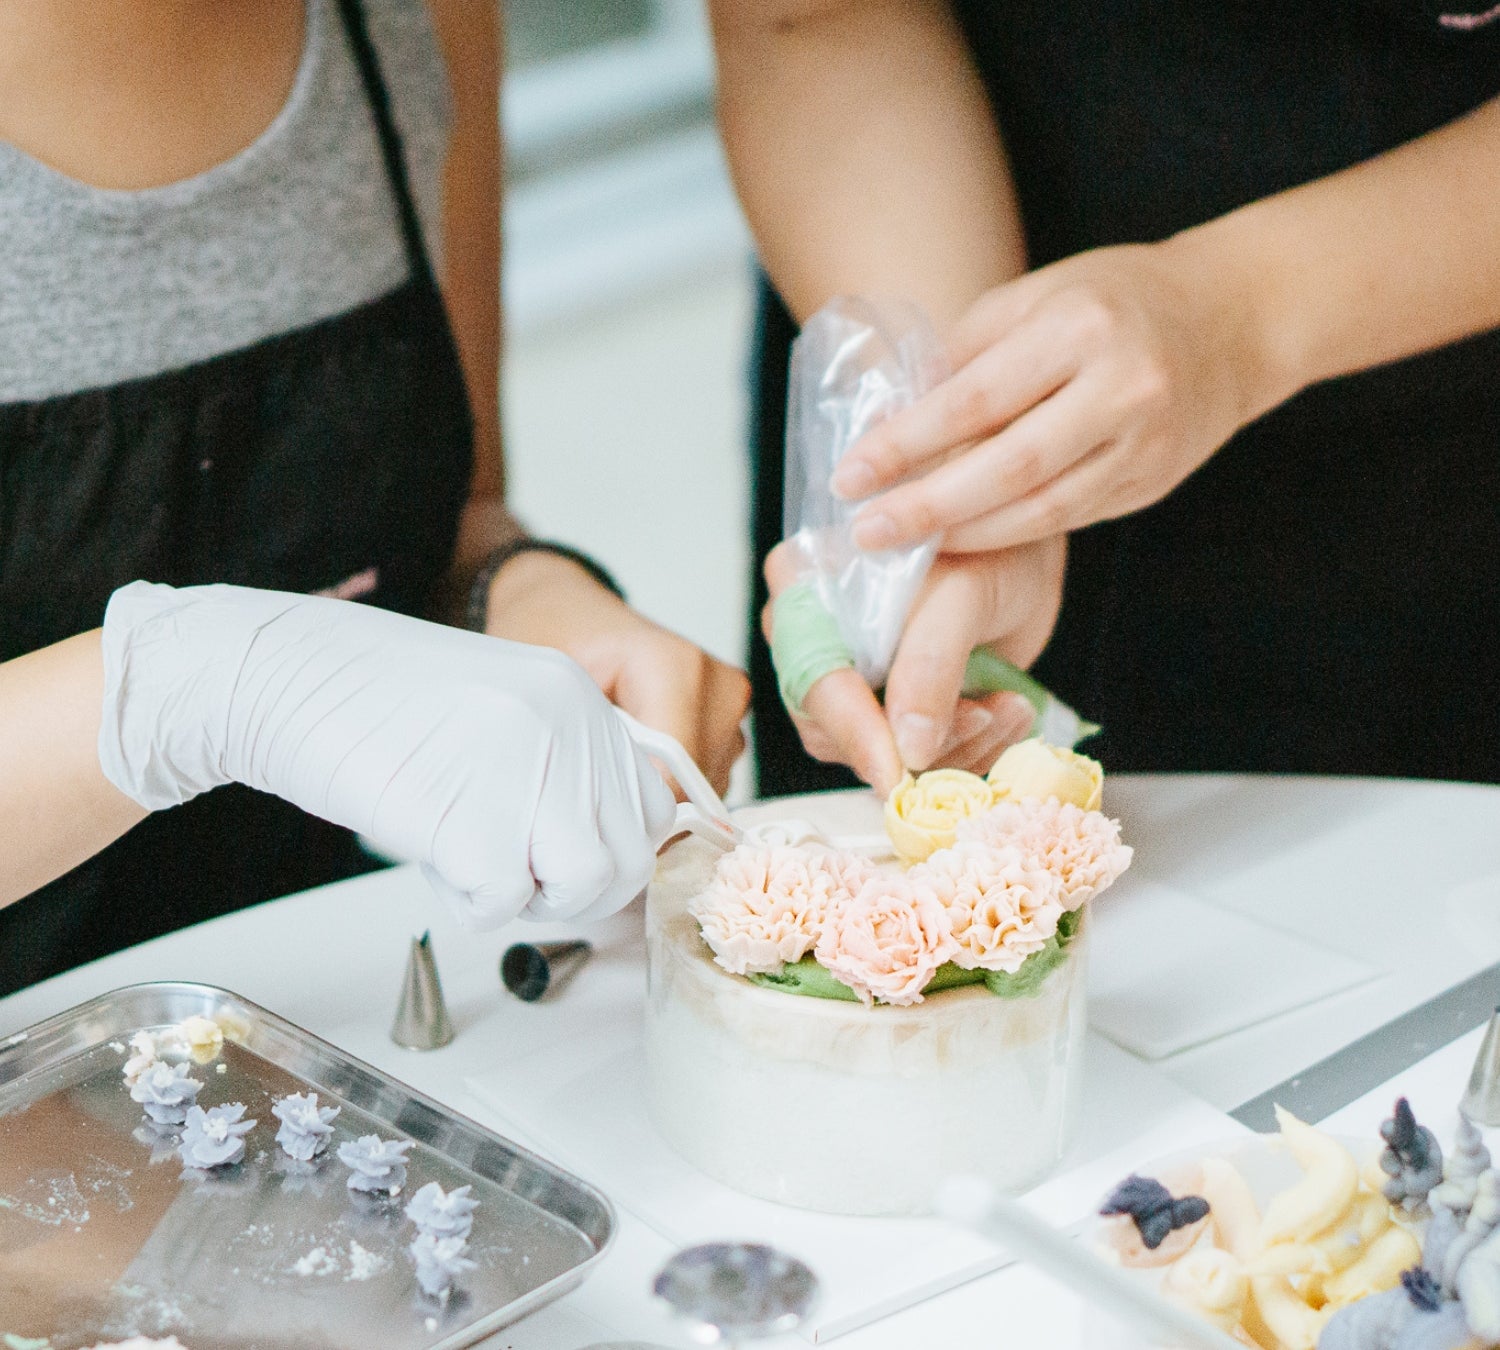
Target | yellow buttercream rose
(1035,769)
(922,814)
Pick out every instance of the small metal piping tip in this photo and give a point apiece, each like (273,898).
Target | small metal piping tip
(422,1021)
(1481,1101)
(530,970)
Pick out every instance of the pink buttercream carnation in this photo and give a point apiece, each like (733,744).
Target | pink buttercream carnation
(766,904)
(1081,848)
(887,941)
(1002,905)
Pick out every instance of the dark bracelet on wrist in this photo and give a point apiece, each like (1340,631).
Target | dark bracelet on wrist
(476,611)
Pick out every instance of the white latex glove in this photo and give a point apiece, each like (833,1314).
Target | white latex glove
(500,766)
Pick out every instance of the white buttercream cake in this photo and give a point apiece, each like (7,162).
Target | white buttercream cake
(849,1106)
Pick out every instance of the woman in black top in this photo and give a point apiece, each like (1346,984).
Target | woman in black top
(1253,372)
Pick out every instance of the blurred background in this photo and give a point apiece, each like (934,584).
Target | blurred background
(628,301)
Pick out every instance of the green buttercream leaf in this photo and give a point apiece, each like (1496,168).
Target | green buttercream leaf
(1027,982)
(13,1342)
(808,978)
(987,673)
(949,976)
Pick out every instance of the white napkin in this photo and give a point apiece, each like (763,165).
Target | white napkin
(1168,971)
(584,1101)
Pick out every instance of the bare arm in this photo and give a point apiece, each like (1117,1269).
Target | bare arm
(56,806)
(1384,260)
(868,162)
(864,152)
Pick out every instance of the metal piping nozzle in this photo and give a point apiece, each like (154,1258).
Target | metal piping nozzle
(530,970)
(422,1021)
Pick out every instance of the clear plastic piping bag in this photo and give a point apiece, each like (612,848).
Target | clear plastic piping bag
(856,363)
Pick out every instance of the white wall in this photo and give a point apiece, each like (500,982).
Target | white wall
(625,435)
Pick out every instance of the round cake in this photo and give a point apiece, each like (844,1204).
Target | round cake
(862,1100)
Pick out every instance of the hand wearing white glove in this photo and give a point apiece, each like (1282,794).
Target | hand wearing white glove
(500,766)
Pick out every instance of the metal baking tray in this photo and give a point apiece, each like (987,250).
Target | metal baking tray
(104,1235)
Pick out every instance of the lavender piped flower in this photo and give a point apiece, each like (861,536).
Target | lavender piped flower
(216,1137)
(1412,1159)
(444,1214)
(440,1261)
(375,1164)
(166,1091)
(305,1126)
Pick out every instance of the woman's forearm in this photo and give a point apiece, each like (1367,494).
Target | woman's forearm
(1389,258)
(56,806)
(864,151)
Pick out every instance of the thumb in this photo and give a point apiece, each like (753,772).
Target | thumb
(845,710)
(927,675)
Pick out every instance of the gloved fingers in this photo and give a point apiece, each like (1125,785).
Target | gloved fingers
(572,864)
(587,875)
(486,906)
(632,830)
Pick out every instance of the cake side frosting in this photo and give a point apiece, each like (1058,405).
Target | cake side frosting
(915,990)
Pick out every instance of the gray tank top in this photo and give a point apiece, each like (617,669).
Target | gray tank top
(100,286)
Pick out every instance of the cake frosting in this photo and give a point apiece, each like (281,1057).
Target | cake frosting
(306,1127)
(1411,1159)
(1034,770)
(1467,1162)
(922,814)
(144,1053)
(1002,905)
(216,1137)
(1342,1257)
(766,904)
(440,1261)
(1081,848)
(919,995)
(375,1165)
(201,1038)
(165,1091)
(888,940)
(444,1214)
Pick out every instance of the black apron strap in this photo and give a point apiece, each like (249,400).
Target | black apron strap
(353,14)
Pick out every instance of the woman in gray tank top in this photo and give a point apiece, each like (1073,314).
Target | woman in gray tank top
(249,333)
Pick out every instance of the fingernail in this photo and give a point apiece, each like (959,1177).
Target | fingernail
(875,532)
(1021,716)
(968,723)
(852,480)
(917,739)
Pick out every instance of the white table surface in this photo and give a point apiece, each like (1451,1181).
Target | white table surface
(1404,876)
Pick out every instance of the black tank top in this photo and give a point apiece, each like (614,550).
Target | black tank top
(1321,596)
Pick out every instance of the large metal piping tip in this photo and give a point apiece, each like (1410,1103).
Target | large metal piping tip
(1481,1101)
(529,970)
(422,1021)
